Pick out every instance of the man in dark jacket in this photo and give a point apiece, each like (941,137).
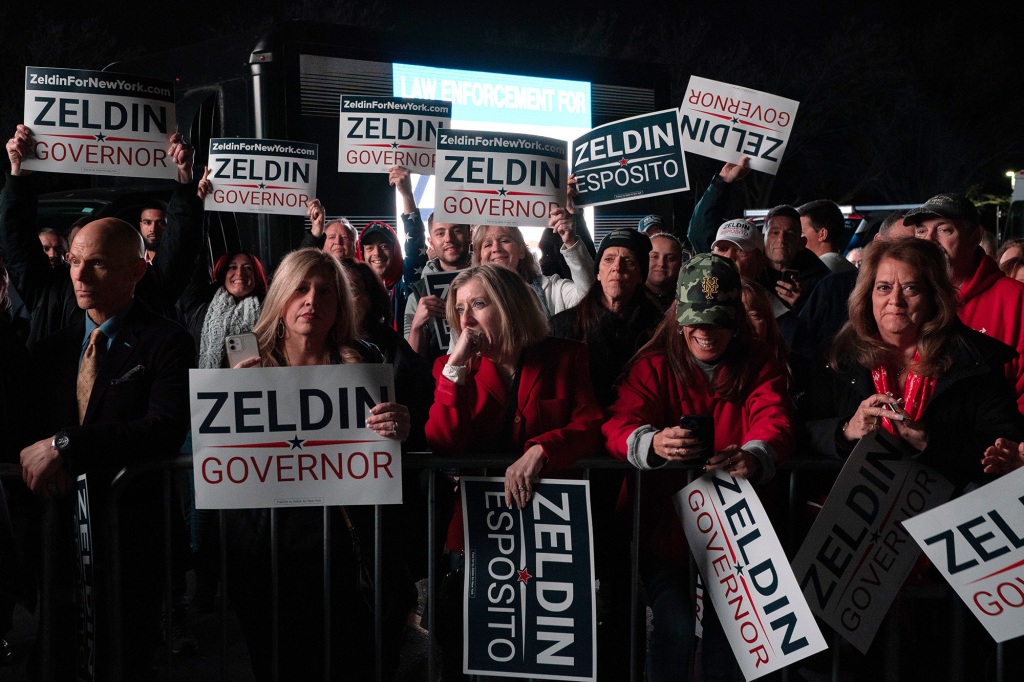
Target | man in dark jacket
(793,270)
(48,292)
(451,244)
(114,391)
(614,319)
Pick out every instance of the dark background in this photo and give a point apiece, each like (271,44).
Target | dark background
(898,101)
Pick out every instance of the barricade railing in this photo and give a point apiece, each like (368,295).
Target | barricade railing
(793,469)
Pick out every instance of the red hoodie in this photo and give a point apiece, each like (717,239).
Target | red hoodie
(993,304)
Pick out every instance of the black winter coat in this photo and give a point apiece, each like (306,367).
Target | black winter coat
(971,406)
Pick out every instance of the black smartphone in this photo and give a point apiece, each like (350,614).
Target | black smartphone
(789,275)
(702,427)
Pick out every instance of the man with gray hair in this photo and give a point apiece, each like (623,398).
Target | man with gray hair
(337,237)
(991,303)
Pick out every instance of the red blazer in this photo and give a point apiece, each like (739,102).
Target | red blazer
(555,408)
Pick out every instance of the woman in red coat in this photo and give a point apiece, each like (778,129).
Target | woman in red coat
(507,387)
(703,361)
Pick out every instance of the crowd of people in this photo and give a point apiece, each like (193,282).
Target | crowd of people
(726,346)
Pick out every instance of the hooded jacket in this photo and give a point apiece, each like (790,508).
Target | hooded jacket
(394,282)
(993,304)
(394,271)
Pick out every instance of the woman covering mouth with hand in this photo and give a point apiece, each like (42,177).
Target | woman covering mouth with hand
(507,387)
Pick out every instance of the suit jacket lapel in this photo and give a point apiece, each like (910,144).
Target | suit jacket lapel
(488,378)
(529,375)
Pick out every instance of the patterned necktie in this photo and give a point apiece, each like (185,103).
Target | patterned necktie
(89,369)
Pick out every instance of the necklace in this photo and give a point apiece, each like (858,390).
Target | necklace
(906,364)
(324,359)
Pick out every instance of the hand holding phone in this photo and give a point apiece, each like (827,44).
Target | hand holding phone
(241,347)
(701,427)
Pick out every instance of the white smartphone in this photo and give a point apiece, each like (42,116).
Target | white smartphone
(241,347)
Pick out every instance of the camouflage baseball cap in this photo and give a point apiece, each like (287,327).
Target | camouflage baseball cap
(708,292)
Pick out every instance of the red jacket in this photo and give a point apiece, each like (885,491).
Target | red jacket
(650,394)
(993,304)
(556,409)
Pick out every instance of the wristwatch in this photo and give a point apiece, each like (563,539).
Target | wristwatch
(60,441)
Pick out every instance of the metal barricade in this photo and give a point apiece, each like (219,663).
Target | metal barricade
(433,464)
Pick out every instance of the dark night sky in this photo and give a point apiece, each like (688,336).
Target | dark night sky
(898,100)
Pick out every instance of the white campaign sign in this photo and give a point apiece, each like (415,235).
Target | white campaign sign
(488,178)
(746,574)
(261,176)
(377,133)
(292,436)
(727,122)
(856,556)
(977,542)
(99,123)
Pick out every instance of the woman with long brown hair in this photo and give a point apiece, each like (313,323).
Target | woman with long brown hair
(703,389)
(906,364)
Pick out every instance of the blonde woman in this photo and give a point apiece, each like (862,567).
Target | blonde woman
(507,387)
(505,246)
(307,319)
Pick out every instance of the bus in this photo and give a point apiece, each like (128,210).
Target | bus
(287,84)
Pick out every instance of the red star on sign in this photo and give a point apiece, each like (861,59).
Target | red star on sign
(524,576)
(623,161)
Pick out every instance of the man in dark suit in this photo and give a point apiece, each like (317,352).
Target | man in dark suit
(114,393)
